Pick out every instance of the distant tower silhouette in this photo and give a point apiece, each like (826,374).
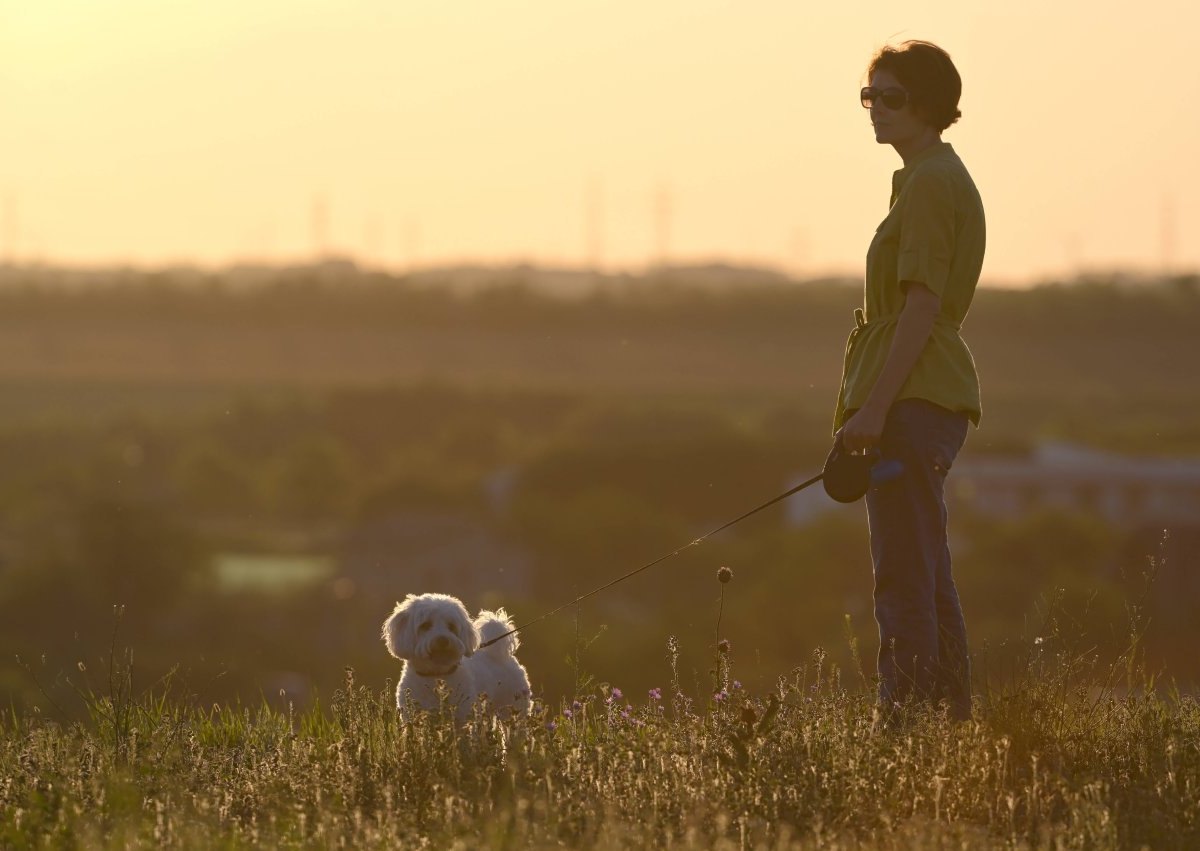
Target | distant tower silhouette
(320,226)
(799,251)
(372,238)
(662,223)
(1166,234)
(411,241)
(1071,245)
(593,236)
(10,228)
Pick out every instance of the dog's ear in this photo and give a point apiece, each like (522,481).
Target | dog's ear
(397,632)
(469,633)
(514,640)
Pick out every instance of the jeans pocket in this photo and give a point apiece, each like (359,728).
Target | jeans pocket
(949,440)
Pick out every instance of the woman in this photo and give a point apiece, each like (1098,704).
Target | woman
(909,385)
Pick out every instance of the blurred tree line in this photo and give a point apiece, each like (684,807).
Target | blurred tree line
(588,436)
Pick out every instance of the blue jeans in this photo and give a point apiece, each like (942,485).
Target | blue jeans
(922,634)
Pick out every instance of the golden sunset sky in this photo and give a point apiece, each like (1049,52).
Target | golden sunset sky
(413,133)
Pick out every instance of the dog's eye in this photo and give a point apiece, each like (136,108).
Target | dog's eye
(454,627)
(424,627)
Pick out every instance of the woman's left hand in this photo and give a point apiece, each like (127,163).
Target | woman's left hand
(863,430)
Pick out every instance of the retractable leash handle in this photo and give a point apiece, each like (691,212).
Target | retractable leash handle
(848,475)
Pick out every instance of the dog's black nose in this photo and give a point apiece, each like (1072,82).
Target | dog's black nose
(441,643)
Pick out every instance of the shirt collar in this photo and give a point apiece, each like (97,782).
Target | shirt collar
(901,175)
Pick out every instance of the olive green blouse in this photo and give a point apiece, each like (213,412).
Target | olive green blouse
(934,235)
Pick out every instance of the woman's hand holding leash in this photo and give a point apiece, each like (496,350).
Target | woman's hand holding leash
(862,431)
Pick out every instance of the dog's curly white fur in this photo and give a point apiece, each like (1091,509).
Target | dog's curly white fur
(438,641)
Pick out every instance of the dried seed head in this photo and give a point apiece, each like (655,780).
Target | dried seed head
(723,646)
(724,574)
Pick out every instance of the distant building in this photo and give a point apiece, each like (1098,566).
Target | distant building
(812,503)
(1127,491)
(268,573)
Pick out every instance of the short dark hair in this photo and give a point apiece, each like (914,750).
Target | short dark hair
(931,79)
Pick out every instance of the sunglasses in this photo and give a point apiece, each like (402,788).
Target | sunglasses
(891,98)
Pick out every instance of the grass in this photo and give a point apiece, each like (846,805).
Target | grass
(1064,753)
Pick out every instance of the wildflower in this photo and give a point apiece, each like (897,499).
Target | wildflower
(723,646)
(720,696)
(724,574)
(617,694)
(551,726)
(576,705)
(656,694)
(568,714)
(737,684)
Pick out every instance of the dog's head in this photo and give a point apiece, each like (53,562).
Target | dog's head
(433,631)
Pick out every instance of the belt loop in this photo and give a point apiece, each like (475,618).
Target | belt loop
(859,319)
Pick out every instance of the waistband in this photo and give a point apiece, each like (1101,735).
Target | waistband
(860,320)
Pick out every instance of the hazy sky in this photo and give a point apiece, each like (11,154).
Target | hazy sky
(562,131)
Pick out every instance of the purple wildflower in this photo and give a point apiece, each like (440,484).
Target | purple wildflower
(617,693)
(656,694)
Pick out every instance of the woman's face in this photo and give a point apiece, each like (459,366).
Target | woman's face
(893,126)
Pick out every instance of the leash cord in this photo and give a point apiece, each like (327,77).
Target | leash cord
(649,565)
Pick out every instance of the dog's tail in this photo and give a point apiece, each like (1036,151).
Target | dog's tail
(493,625)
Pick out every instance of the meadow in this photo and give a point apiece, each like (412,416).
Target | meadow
(1066,754)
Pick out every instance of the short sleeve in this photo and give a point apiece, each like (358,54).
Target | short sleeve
(927,231)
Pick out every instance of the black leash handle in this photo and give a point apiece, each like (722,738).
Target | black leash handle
(649,565)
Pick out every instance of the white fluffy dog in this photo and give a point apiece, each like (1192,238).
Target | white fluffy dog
(437,640)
